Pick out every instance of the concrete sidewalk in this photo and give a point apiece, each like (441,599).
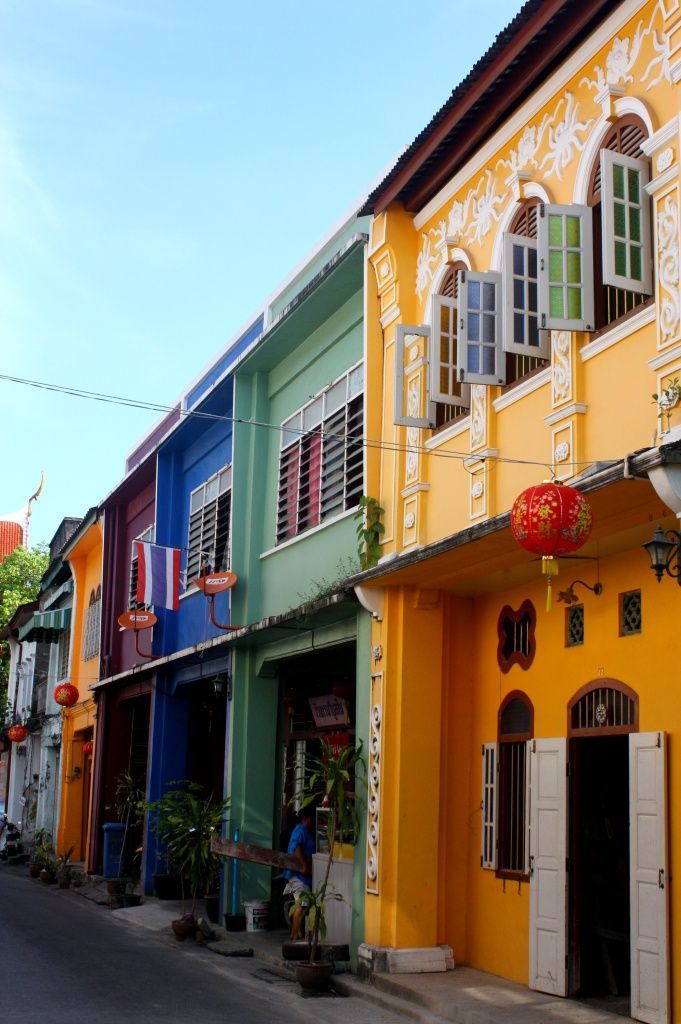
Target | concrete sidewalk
(464,995)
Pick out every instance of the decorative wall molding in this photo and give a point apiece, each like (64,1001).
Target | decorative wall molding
(669,299)
(609,338)
(457,428)
(573,409)
(657,184)
(664,358)
(520,391)
(478,415)
(374,783)
(664,135)
(561,367)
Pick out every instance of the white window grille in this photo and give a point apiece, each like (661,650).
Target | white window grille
(92,625)
(63,654)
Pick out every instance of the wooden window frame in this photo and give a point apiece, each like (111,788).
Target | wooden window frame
(509,744)
(620,611)
(517,657)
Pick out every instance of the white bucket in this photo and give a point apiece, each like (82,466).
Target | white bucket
(257,915)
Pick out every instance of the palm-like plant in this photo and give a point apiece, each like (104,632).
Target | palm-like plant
(330,781)
(185,819)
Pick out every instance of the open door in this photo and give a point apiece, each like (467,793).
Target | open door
(649,877)
(548,877)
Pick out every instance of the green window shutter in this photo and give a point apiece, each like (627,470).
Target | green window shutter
(625,213)
(405,335)
(565,250)
(480,336)
(488,804)
(444,356)
(521,309)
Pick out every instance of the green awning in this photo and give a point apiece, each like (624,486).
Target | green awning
(45,627)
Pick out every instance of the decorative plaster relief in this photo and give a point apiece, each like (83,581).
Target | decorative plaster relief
(561,452)
(478,489)
(561,367)
(410,520)
(668,267)
(410,512)
(625,52)
(562,447)
(374,781)
(413,409)
(478,415)
(665,159)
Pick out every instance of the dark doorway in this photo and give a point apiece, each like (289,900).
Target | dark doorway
(599,871)
(206,739)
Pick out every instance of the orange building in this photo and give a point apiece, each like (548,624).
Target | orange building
(84,554)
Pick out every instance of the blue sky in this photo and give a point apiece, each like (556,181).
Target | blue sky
(163,165)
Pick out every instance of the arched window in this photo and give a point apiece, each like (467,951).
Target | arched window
(452,399)
(92,624)
(504,783)
(621,217)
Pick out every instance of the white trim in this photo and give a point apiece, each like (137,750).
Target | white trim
(661,137)
(458,256)
(662,180)
(526,387)
(531,190)
(577,62)
(389,317)
(308,533)
(480,457)
(459,426)
(573,409)
(407,492)
(609,338)
(670,355)
(592,147)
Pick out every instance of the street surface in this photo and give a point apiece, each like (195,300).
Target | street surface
(65,960)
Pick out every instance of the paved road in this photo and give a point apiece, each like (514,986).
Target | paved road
(64,960)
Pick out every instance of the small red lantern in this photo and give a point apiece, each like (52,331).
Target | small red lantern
(66,694)
(88,747)
(551,519)
(17,733)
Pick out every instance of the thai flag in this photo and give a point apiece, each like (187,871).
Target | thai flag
(158,575)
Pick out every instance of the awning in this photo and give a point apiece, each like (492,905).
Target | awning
(45,627)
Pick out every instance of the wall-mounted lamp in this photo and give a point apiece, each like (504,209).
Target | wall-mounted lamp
(664,553)
(569,596)
(222,685)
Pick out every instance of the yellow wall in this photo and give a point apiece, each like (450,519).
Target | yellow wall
(441,686)
(79,721)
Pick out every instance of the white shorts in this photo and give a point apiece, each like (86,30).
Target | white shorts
(296,887)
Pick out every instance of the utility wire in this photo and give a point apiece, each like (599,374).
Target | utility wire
(372,443)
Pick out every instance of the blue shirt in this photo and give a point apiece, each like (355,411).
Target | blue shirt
(300,837)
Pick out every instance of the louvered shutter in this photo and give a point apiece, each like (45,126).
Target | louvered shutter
(444,369)
(488,853)
(565,248)
(625,215)
(480,338)
(521,316)
(405,336)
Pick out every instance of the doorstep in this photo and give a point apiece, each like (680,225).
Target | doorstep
(468,996)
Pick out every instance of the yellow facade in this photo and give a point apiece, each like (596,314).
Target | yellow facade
(450,562)
(85,558)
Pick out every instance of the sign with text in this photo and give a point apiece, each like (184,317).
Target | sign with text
(137,620)
(216,582)
(329,710)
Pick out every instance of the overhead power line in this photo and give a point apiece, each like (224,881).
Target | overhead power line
(366,442)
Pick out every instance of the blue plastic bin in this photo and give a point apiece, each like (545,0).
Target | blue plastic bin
(114,834)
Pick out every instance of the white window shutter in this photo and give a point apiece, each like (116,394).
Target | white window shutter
(625,218)
(521,316)
(565,249)
(405,368)
(444,356)
(490,762)
(480,336)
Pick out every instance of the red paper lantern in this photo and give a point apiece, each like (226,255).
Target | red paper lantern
(88,747)
(550,520)
(66,694)
(17,733)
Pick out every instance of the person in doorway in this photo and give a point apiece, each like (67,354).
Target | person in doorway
(300,846)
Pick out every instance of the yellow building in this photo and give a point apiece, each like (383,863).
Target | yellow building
(84,553)
(525,251)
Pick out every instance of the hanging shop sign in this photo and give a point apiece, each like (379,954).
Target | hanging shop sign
(137,620)
(216,582)
(329,710)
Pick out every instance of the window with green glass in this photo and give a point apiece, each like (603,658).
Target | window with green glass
(627,256)
(565,294)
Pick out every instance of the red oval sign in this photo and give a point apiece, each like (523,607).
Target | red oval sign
(137,620)
(216,582)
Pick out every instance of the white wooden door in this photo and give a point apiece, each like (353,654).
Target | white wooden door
(548,877)
(649,879)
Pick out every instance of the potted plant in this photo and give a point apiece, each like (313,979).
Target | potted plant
(329,782)
(130,808)
(185,819)
(48,872)
(63,869)
(41,851)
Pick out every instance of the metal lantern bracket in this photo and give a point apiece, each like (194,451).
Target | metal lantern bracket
(569,597)
(664,549)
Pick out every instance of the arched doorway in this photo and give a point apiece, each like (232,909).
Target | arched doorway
(600,717)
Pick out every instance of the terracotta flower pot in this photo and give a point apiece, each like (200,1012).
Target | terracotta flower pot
(34,869)
(314,977)
(183,929)
(48,876)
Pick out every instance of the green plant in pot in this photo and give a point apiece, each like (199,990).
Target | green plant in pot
(185,819)
(62,868)
(130,808)
(42,851)
(330,781)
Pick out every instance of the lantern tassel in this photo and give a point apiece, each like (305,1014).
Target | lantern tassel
(550,568)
